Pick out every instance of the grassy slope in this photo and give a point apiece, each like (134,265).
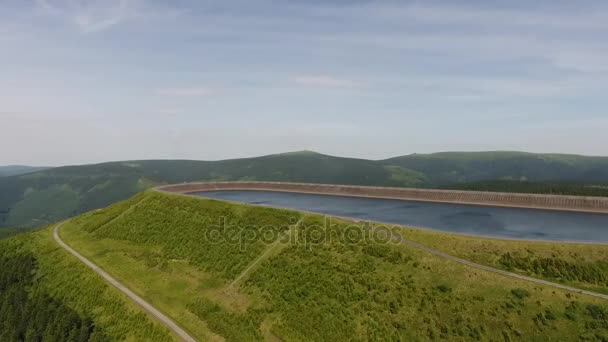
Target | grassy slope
(8,232)
(163,247)
(578,265)
(70,282)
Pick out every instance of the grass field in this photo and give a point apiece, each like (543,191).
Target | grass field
(580,265)
(344,287)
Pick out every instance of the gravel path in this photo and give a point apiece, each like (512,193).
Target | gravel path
(181,333)
(486,268)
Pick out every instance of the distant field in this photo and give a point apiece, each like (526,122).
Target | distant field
(304,288)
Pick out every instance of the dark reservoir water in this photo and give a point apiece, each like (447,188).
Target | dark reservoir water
(458,218)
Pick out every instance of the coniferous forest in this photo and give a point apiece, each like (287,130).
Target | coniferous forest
(29,314)
(48,295)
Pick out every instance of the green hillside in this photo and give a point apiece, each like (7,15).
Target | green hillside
(246,273)
(13,170)
(455,167)
(546,187)
(48,295)
(50,195)
(38,198)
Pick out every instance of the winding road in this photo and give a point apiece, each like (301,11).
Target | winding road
(181,333)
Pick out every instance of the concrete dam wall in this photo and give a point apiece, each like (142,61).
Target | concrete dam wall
(549,202)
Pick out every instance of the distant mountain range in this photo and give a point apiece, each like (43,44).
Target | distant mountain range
(33,198)
(13,170)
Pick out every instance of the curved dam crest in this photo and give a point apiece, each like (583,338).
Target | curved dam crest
(500,199)
(483,219)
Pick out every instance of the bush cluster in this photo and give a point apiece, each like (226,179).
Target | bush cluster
(556,268)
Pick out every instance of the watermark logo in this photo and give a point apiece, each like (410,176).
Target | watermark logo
(298,232)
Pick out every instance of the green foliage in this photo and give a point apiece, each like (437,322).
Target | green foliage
(337,286)
(554,188)
(8,232)
(58,202)
(598,313)
(338,291)
(40,198)
(213,235)
(334,288)
(48,295)
(27,313)
(520,293)
(444,288)
(13,170)
(233,327)
(97,186)
(556,268)
(458,167)
(583,266)
(406,177)
(26,200)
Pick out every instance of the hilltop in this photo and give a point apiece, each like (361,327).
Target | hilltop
(41,197)
(246,273)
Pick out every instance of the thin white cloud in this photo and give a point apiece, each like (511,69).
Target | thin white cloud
(590,60)
(580,55)
(90,16)
(565,37)
(324,81)
(585,19)
(185,92)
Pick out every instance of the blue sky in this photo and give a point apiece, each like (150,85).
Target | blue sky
(90,81)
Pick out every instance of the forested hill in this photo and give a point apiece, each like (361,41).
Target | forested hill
(458,167)
(552,188)
(50,195)
(37,198)
(13,170)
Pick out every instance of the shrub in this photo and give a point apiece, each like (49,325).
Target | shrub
(520,293)
(556,268)
(444,288)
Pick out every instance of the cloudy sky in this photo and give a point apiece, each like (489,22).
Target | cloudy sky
(91,81)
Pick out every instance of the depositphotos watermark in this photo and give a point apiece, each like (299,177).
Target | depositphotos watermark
(297,232)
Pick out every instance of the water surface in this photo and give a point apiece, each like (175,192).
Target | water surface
(488,221)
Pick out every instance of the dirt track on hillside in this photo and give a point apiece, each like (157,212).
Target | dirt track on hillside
(487,268)
(181,333)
